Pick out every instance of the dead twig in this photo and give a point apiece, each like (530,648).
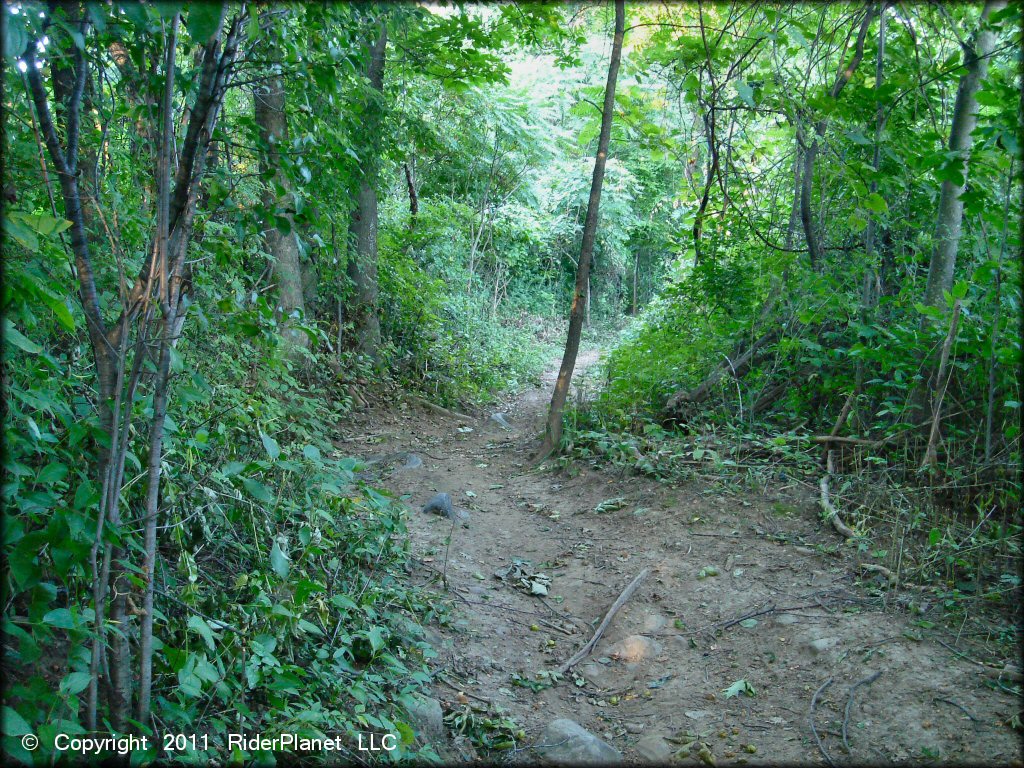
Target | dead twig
(958,706)
(849,703)
(462,690)
(810,719)
(583,652)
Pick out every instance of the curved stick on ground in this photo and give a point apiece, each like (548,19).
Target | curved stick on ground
(583,652)
(849,703)
(810,719)
(833,514)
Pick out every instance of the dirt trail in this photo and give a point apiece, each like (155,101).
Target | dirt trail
(737,592)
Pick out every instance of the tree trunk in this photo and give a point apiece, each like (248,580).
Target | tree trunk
(362,263)
(553,435)
(965,118)
(811,152)
(282,243)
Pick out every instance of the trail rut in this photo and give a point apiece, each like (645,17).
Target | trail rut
(738,592)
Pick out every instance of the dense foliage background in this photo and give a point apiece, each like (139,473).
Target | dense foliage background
(381,197)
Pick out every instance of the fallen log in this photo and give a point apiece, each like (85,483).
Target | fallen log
(736,367)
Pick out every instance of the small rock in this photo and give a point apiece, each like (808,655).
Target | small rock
(634,648)
(785,619)
(820,579)
(597,675)
(440,504)
(634,727)
(653,748)
(697,714)
(412,461)
(566,741)
(499,419)
(654,622)
(823,644)
(427,719)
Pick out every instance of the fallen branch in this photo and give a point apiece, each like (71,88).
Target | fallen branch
(832,512)
(583,652)
(874,568)
(849,703)
(437,408)
(810,719)
(1008,672)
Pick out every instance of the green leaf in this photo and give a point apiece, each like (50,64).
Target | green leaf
(273,449)
(203,20)
(257,490)
(16,338)
(278,560)
(61,618)
(75,683)
(740,686)
(875,203)
(198,623)
(14,724)
(311,452)
(745,92)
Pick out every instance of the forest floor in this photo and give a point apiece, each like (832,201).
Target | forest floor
(738,591)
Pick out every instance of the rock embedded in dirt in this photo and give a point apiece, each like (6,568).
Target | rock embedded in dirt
(821,645)
(499,419)
(565,741)
(427,719)
(440,504)
(653,749)
(633,649)
(785,619)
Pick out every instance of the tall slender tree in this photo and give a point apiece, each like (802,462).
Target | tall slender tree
(949,222)
(553,433)
(278,231)
(362,263)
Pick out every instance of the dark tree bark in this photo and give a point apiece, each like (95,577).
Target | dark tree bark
(362,263)
(553,435)
(272,121)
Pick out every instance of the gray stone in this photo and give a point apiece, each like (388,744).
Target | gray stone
(499,419)
(427,719)
(440,504)
(633,649)
(566,741)
(597,675)
(785,619)
(821,645)
(653,622)
(653,749)
(412,461)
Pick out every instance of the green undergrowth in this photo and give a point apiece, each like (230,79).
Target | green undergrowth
(282,604)
(967,561)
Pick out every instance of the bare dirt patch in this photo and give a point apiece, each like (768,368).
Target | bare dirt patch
(738,592)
